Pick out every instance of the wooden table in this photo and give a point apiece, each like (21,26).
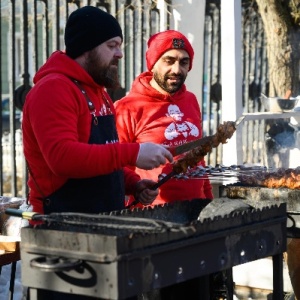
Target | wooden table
(10,254)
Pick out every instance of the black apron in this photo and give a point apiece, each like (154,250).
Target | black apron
(88,195)
(102,193)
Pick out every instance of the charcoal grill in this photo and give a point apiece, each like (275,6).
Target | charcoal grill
(261,196)
(125,253)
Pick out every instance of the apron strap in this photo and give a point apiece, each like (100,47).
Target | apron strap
(88,101)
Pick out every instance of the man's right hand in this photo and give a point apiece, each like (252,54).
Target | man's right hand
(152,156)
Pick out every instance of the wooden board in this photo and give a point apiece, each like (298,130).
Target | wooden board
(9,249)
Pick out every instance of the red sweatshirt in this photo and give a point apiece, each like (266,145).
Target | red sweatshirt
(56,127)
(146,115)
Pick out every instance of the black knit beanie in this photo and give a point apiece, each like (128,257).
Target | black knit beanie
(88,27)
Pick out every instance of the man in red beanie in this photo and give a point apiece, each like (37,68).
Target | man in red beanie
(159,109)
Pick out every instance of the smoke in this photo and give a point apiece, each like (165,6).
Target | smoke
(280,137)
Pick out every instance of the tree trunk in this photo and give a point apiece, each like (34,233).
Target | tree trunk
(281,24)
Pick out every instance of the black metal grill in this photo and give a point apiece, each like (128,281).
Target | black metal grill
(112,262)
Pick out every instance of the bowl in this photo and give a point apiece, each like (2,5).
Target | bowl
(276,104)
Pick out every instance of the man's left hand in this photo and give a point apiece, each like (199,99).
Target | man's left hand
(143,193)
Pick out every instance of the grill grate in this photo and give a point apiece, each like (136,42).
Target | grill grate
(105,224)
(263,196)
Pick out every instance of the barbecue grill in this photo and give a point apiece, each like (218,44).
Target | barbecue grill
(129,252)
(261,196)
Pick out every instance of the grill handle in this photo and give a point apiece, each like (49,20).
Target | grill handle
(163,180)
(55,264)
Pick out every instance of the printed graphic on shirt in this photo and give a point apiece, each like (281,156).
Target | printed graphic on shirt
(112,142)
(104,110)
(179,128)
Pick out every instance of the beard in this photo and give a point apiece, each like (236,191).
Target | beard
(171,88)
(104,75)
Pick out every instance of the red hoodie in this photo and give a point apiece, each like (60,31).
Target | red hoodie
(146,115)
(56,128)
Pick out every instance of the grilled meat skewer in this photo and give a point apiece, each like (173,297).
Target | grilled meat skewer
(194,156)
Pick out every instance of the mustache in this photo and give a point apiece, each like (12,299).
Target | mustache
(114,62)
(174,76)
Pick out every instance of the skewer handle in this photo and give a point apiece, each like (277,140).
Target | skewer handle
(163,180)
(28,215)
(157,185)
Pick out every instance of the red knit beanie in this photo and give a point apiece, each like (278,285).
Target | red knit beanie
(161,42)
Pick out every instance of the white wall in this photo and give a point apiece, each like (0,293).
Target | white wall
(231,60)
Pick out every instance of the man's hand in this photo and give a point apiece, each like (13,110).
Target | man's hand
(152,156)
(143,193)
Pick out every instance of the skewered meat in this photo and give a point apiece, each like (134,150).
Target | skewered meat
(194,156)
(280,178)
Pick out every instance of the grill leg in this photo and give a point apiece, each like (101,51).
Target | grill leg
(222,285)
(278,277)
(12,279)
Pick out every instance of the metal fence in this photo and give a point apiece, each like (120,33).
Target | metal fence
(31,30)
(255,79)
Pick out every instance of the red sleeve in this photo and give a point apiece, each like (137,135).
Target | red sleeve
(126,124)
(207,188)
(131,179)
(62,133)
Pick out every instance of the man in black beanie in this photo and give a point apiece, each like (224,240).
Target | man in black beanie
(87,28)
(70,140)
